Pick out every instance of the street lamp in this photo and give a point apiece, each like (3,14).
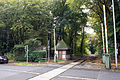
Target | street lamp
(55,23)
(55,55)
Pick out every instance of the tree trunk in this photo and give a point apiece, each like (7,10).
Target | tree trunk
(71,41)
(50,46)
(82,41)
(23,35)
(75,41)
(13,38)
(63,34)
(20,35)
(60,30)
(119,4)
(8,38)
(17,37)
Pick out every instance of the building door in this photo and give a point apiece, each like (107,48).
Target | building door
(60,54)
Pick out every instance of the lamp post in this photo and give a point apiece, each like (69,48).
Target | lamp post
(55,56)
(115,41)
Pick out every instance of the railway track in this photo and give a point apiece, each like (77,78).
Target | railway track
(85,59)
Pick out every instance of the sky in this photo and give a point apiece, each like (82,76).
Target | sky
(89,30)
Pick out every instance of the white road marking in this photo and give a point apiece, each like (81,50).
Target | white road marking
(71,77)
(49,75)
(20,71)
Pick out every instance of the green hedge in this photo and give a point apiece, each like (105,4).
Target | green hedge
(19,52)
(36,55)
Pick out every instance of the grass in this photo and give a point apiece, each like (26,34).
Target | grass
(52,60)
(60,60)
(23,64)
(42,60)
(30,64)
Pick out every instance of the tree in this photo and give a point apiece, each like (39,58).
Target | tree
(96,14)
(23,20)
(68,21)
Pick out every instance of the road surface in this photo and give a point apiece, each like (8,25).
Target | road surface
(9,72)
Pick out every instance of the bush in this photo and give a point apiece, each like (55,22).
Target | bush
(36,55)
(19,52)
(10,56)
(32,44)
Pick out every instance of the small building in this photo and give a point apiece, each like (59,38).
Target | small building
(62,51)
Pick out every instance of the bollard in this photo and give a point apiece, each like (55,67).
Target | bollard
(107,61)
(103,58)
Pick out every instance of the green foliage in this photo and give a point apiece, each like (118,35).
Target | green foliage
(19,52)
(23,20)
(28,22)
(97,17)
(92,47)
(37,55)
(10,56)
(32,43)
(69,19)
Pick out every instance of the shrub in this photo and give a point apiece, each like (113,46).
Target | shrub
(32,44)
(10,56)
(19,52)
(36,55)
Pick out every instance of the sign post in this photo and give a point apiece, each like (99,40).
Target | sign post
(26,50)
(48,51)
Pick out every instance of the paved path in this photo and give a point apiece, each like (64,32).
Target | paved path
(51,74)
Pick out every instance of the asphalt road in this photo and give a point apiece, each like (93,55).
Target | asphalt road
(77,73)
(8,72)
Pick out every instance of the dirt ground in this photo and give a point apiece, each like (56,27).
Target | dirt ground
(99,63)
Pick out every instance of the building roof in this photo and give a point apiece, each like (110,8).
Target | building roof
(62,46)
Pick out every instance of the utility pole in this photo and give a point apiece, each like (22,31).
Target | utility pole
(55,56)
(114,34)
(26,50)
